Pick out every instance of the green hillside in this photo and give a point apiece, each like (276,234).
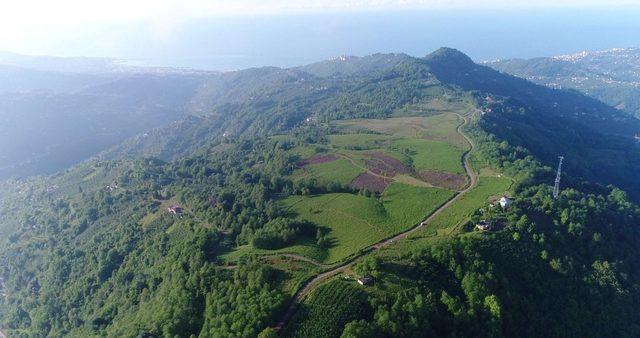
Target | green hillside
(609,75)
(259,214)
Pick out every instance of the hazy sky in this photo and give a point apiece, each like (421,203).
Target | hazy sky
(240,33)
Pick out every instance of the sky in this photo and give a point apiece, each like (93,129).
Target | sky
(228,34)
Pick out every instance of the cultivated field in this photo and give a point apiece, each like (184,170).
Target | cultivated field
(339,170)
(328,309)
(373,153)
(401,160)
(440,127)
(355,222)
(449,221)
(431,155)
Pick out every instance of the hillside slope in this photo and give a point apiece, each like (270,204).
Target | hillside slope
(597,141)
(611,76)
(283,175)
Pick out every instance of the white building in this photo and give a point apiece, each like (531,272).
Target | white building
(505,202)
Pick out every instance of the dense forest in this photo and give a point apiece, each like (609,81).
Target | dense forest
(94,250)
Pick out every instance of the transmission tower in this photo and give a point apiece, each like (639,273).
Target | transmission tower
(556,187)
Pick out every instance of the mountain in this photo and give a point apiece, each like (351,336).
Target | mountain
(49,131)
(261,210)
(354,65)
(597,140)
(611,76)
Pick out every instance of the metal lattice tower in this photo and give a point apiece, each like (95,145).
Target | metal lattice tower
(556,186)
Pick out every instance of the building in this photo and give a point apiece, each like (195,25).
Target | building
(483,225)
(174,209)
(365,280)
(505,202)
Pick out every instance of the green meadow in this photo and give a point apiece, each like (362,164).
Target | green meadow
(339,171)
(355,222)
(431,155)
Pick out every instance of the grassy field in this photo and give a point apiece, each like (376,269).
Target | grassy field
(408,205)
(359,141)
(354,221)
(431,155)
(293,273)
(306,151)
(340,171)
(447,222)
(440,127)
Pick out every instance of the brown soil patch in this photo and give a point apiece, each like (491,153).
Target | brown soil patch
(370,182)
(317,159)
(385,165)
(443,179)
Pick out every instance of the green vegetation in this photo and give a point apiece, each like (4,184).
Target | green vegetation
(436,127)
(358,141)
(618,89)
(467,204)
(355,222)
(328,309)
(431,155)
(339,171)
(93,251)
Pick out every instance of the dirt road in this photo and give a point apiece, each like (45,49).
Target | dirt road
(315,281)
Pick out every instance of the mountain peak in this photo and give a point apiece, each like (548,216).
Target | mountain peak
(449,56)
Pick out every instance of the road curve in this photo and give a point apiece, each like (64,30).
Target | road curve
(315,281)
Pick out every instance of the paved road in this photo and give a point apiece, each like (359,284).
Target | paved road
(315,281)
(2,335)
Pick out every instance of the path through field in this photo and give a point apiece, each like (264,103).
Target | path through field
(315,281)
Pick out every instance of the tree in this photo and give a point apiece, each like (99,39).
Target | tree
(359,329)
(268,332)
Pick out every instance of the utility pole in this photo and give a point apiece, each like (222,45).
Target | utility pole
(556,187)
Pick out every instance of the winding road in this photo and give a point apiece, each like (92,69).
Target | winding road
(315,281)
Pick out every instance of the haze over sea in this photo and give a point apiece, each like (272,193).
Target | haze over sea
(235,42)
(227,43)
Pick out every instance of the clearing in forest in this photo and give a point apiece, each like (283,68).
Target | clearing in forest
(441,127)
(354,222)
(412,165)
(373,153)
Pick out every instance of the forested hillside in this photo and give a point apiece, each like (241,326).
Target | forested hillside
(610,75)
(280,175)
